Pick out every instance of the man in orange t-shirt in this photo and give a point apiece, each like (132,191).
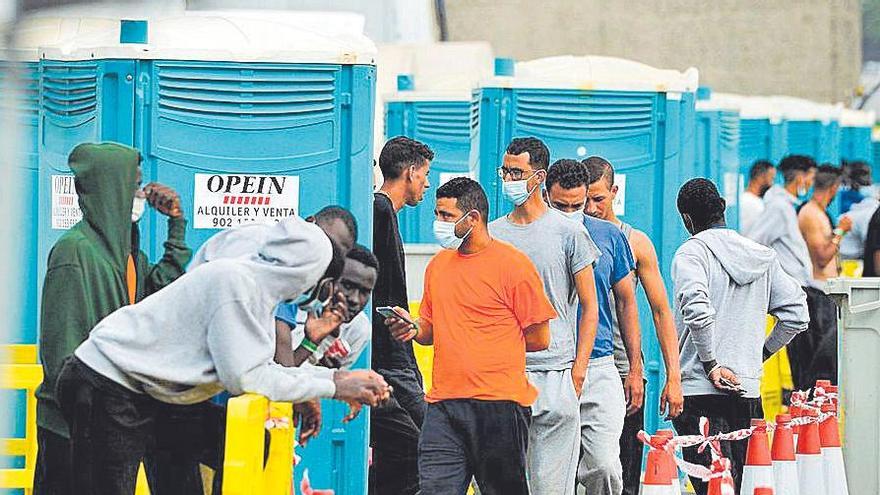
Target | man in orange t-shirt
(483,307)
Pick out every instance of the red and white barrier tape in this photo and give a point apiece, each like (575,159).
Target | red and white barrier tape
(704,440)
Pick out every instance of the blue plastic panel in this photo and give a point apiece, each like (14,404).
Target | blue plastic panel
(448,128)
(19,96)
(855,144)
(805,138)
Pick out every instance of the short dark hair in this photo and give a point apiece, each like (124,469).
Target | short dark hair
(468,195)
(599,168)
(363,255)
(857,174)
(699,199)
(792,165)
(330,213)
(759,168)
(539,154)
(827,176)
(568,173)
(401,152)
(337,262)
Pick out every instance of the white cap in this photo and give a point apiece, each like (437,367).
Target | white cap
(596,73)
(857,118)
(234,36)
(31,33)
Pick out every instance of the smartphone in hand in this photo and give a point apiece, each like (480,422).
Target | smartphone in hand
(388,312)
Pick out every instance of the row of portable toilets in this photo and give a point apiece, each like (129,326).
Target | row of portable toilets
(215,97)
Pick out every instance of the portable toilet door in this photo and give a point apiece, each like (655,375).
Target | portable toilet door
(761,130)
(250,118)
(731,183)
(446,121)
(855,135)
(640,118)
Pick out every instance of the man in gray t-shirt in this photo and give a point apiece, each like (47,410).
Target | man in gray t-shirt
(563,254)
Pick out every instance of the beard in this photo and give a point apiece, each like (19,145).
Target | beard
(764,189)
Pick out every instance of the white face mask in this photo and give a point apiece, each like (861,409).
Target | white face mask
(444,232)
(577,216)
(138,206)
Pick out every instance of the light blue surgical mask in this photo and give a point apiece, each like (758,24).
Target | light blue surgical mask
(444,232)
(311,301)
(517,191)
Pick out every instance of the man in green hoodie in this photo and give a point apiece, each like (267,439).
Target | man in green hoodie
(94,269)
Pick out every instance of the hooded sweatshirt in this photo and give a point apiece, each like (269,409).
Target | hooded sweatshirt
(778,228)
(724,286)
(86,276)
(852,246)
(212,329)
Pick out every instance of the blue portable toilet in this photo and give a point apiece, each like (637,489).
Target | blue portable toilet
(762,132)
(640,118)
(446,123)
(717,149)
(442,113)
(250,117)
(875,156)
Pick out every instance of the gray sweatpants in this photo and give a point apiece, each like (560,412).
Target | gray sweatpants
(603,409)
(554,434)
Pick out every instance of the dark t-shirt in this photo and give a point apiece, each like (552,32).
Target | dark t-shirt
(390,289)
(872,244)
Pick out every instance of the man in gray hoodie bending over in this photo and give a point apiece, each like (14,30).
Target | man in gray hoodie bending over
(724,286)
(211,330)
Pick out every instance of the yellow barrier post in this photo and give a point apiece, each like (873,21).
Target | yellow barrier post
(279,465)
(22,377)
(247,417)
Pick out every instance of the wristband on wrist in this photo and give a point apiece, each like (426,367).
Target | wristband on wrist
(839,232)
(710,366)
(309,345)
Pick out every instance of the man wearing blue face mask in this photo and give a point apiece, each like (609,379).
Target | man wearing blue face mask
(777,227)
(563,253)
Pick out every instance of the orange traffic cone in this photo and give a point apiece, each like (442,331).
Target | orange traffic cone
(762,490)
(670,459)
(758,470)
(832,455)
(658,473)
(811,474)
(721,485)
(785,475)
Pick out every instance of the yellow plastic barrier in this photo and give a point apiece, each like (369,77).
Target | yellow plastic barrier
(243,471)
(21,377)
(777,377)
(424,353)
(18,354)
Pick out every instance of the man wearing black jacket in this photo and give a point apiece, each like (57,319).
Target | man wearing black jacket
(395,428)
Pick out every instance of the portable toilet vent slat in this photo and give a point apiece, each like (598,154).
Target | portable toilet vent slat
(249,117)
(640,118)
(717,150)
